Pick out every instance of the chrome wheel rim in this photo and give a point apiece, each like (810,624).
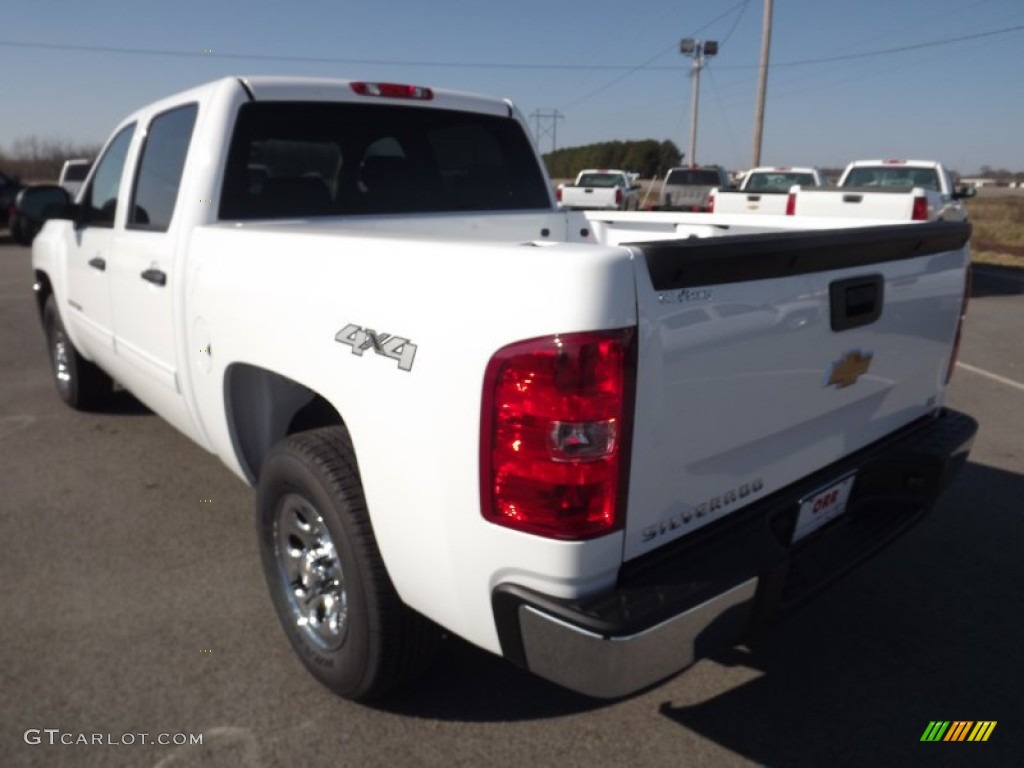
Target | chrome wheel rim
(61,361)
(310,571)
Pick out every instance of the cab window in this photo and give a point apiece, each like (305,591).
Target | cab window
(160,168)
(100,198)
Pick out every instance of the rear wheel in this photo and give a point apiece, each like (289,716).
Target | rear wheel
(79,383)
(327,580)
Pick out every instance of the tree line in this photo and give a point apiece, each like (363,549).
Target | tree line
(36,159)
(649,158)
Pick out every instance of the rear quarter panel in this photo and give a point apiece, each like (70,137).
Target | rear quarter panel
(276,300)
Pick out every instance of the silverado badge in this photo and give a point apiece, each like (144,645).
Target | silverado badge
(845,371)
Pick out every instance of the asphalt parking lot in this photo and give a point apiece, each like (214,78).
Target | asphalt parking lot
(134,603)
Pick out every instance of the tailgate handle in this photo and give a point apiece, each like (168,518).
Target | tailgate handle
(753,198)
(856,302)
(98,263)
(852,198)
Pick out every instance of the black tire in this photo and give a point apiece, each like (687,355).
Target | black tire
(79,383)
(358,638)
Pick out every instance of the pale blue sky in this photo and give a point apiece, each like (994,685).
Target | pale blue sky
(959,101)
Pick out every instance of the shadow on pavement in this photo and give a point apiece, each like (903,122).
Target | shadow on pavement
(930,630)
(996,281)
(123,403)
(466,684)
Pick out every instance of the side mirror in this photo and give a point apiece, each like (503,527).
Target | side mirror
(964,191)
(47,201)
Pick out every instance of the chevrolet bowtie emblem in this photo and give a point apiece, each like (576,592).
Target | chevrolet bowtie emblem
(845,371)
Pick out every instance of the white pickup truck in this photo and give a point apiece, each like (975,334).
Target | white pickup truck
(765,190)
(898,190)
(600,190)
(597,444)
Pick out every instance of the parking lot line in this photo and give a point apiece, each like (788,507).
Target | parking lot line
(993,376)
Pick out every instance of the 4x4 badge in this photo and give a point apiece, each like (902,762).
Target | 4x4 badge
(361,339)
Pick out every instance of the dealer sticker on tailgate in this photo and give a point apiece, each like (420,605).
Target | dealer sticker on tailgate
(822,506)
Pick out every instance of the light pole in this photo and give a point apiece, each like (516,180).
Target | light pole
(699,50)
(762,83)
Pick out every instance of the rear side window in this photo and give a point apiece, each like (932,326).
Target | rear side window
(160,167)
(100,199)
(296,159)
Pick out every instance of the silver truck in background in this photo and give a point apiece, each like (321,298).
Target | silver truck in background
(688,188)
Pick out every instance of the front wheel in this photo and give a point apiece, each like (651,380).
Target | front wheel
(79,383)
(327,580)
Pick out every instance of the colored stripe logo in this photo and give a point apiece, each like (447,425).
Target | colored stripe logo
(958,730)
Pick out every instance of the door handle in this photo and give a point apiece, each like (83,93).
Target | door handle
(155,276)
(98,263)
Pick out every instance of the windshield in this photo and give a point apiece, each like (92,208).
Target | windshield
(76,172)
(327,159)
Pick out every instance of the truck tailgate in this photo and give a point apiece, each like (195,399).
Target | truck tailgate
(892,203)
(763,359)
(588,197)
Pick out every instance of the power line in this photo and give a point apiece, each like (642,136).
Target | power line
(902,48)
(627,68)
(316,59)
(735,22)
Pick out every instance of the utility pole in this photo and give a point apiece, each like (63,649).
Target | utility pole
(762,84)
(549,129)
(700,51)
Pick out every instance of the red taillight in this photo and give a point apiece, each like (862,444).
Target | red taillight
(920,212)
(711,203)
(968,281)
(393,90)
(618,195)
(558,194)
(555,430)
(791,204)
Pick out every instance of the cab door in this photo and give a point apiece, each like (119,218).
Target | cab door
(142,275)
(88,307)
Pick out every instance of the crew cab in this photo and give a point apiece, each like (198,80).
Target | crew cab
(765,190)
(689,188)
(901,190)
(596,443)
(596,189)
